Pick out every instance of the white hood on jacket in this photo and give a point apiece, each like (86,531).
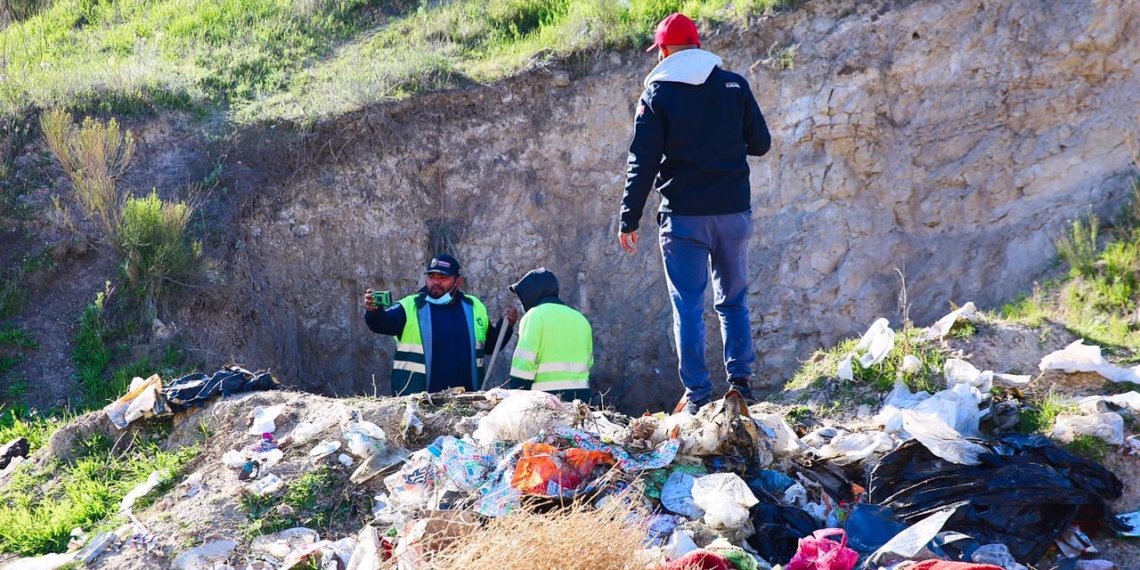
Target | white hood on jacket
(691,66)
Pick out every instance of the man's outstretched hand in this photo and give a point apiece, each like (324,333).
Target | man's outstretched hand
(628,241)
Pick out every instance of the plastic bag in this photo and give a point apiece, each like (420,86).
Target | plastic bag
(366,555)
(205,556)
(961,372)
(677,495)
(1108,426)
(957,407)
(521,415)
(725,498)
(547,471)
(819,552)
(785,442)
(910,364)
(942,327)
(910,543)
(142,489)
(996,554)
(305,430)
(142,399)
(941,439)
(1129,401)
(877,342)
(364,438)
(855,447)
(1078,357)
(263,419)
(323,449)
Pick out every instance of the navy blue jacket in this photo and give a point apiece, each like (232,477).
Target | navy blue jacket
(450,350)
(691,143)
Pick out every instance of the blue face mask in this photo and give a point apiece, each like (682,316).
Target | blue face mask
(442,300)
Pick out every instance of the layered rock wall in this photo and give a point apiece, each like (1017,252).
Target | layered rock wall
(951,140)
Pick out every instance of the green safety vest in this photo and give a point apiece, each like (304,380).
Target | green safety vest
(555,350)
(412,366)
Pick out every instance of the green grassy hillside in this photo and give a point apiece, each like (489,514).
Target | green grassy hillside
(302,59)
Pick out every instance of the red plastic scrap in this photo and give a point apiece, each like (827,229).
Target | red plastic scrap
(699,560)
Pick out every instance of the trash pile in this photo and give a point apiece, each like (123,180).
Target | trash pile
(916,486)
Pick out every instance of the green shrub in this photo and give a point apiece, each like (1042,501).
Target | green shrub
(94,156)
(1078,246)
(157,247)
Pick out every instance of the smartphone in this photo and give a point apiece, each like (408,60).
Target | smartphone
(382,299)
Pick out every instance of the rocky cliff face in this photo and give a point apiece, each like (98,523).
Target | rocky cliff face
(951,140)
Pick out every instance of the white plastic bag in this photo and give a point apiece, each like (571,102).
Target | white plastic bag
(142,489)
(941,439)
(521,415)
(854,447)
(205,556)
(1129,401)
(942,327)
(323,449)
(910,364)
(267,485)
(366,555)
(1078,357)
(306,430)
(263,419)
(725,498)
(1108,426)
(143,398)
(956,407)
(786,443)
(959,371)
(877,341)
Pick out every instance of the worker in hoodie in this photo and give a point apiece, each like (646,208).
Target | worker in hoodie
(694,128)
(555,349)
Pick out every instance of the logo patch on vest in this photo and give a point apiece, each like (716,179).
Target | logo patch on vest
(732,85)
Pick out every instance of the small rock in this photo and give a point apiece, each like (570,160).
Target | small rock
(562,78)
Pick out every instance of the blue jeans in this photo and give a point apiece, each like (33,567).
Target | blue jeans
(689,246)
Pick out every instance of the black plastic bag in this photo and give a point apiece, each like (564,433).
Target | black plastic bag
(1024,494)
(779,530)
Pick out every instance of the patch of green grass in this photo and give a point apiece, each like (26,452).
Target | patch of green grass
(1039,417)
(823,366)
(798,413)
(1090,447)
(39,507)
(307,59)
(12,335)
(304,496)
(458,43)
(16,422)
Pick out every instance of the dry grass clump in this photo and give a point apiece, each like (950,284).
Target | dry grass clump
(577,537)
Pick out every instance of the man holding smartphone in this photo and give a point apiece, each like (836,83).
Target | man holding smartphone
(440,332)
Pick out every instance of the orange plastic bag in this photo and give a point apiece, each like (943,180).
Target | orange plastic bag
(551,472)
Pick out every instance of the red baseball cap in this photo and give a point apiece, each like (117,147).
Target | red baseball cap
(676,30)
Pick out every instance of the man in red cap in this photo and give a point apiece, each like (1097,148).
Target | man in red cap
(695,126)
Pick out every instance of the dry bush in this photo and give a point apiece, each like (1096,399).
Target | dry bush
(576,537)
(94,156)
